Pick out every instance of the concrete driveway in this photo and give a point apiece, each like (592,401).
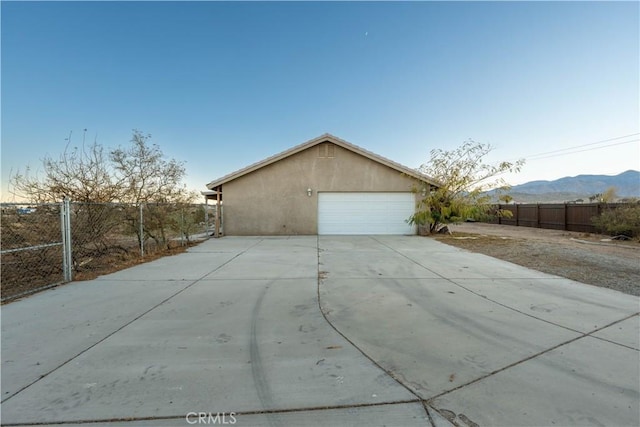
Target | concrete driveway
(356,330)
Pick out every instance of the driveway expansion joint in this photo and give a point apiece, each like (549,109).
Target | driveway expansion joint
(453,282)
(389,373)
(526,359)
(236,413)
(415,349)
(46,374)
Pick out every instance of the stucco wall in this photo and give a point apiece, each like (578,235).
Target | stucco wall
(273,200)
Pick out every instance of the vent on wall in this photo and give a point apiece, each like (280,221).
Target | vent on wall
(326,150)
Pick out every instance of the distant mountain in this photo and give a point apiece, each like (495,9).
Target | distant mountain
(627,184)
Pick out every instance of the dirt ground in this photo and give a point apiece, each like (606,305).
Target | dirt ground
(24,279)
(582,257)
(586,258)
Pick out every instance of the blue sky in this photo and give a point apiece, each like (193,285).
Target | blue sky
(221,85)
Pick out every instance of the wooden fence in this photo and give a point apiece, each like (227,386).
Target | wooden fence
(558,216)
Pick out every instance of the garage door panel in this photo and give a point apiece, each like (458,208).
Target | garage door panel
(365,213)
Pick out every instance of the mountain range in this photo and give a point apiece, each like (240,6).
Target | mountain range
(570,188)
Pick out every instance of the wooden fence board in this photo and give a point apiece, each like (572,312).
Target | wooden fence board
(557,216)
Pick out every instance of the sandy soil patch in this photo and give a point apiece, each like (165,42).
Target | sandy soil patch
(583,257)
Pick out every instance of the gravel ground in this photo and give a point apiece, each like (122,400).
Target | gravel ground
(583,257)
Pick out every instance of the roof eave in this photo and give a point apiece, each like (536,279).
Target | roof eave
(322,138)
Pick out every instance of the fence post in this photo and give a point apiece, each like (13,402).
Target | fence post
(218,216)
(63,236)
(206,217)
(65,223)
(141,232)
(182,227)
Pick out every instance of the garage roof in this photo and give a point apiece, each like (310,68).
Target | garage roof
(319,140)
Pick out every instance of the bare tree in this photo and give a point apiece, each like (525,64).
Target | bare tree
(84,175)
(80,173)
(145,175)
(137,174)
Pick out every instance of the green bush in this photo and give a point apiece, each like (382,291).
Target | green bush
(623,220)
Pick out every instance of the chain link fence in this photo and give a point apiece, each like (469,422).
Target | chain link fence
(47,244)
(31,247)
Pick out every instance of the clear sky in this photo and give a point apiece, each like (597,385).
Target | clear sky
(221,85)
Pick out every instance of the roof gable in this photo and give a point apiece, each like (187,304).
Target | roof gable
(313,142)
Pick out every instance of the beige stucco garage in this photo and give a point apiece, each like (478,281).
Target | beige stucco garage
(322,186)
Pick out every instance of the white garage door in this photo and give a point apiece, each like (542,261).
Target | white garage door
(365,213)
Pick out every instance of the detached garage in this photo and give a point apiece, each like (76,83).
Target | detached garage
(323,186)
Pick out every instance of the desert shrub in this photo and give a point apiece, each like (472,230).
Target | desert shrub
(623,220)
(461,181)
